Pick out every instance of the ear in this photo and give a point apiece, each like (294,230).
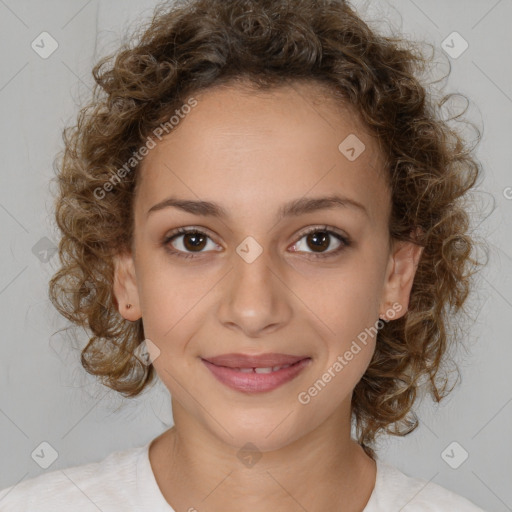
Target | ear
(125,287)
(399,278)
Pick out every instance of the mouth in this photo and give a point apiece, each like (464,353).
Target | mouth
(256,374)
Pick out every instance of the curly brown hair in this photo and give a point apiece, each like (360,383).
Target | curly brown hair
(193,45)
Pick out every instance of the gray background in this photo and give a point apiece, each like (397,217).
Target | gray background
(45,394)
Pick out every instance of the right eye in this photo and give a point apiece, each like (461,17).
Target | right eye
(193,240)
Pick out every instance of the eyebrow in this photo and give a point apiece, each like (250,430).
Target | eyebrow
(293,208)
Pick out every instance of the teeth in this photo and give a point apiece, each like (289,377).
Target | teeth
(263,370)
(268,369)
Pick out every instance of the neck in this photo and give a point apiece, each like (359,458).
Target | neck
(197,471)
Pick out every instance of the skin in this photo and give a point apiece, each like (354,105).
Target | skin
(251,153)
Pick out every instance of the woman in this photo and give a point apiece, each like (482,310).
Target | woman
(261,207)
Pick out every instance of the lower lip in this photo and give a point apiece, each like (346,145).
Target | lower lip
(256,382)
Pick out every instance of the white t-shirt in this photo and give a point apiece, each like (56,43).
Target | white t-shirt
(124,481)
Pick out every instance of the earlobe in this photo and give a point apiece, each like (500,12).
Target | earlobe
(125,287)
(399,280)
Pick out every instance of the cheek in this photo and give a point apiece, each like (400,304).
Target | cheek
(346,314)
(165,293)
(346,301)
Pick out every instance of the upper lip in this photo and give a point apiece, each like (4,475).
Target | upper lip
(254,361)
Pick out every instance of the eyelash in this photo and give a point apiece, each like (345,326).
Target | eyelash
(324,229)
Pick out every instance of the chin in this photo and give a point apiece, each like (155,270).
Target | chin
(264,431)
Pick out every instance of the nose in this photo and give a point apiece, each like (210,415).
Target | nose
(255,298)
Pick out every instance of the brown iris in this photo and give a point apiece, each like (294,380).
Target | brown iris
(193,241)
(317,238)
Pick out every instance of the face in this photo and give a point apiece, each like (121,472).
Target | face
(269,268)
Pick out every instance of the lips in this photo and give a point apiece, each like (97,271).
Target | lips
(256,374)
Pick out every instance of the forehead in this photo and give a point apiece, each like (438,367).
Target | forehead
(245,148)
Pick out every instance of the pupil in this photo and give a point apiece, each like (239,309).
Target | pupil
(323,238)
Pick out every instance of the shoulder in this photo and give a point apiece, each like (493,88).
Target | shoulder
(85,487)
(394,490)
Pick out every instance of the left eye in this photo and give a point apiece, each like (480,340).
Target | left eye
(320,239)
